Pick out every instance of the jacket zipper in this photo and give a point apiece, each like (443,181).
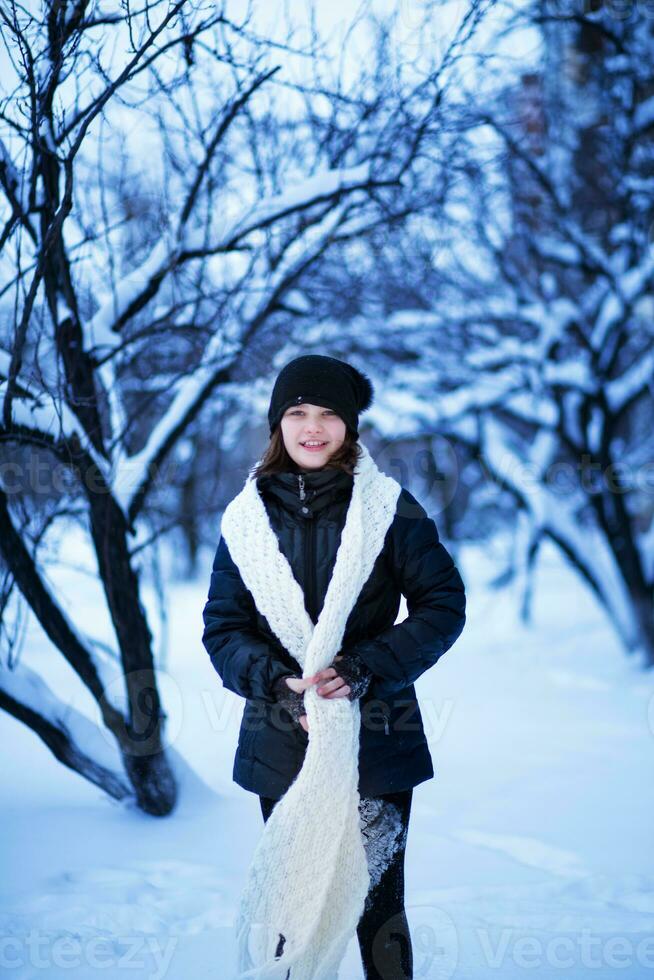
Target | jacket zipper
(308,549)
(386,731)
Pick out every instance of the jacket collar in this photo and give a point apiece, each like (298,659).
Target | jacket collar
(321,487)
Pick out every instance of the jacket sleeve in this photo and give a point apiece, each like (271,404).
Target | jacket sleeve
(244,660)
(435,595)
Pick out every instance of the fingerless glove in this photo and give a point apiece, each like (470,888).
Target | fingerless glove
(350,668)
(355,674)
(293,701)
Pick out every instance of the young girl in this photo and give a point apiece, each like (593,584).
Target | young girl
(314,555)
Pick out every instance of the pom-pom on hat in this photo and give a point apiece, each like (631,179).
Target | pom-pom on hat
(321,380)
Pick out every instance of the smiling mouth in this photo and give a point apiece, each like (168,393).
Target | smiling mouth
(308,445)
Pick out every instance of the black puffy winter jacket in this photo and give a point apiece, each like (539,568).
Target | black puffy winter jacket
(247,655)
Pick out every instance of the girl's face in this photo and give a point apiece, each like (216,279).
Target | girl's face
(311,423)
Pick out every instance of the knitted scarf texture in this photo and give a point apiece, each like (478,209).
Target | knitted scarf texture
(308,877)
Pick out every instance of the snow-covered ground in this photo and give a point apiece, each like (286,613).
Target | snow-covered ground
(530,852)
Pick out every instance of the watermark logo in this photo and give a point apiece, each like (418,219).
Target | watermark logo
(430,474)
(139,696)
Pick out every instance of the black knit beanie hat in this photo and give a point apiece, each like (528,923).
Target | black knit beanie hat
(321,380)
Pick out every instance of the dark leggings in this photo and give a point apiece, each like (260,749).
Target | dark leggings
(383,930)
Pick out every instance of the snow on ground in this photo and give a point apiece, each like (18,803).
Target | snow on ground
(529,853)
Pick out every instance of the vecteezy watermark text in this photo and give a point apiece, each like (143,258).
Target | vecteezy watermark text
(150,955)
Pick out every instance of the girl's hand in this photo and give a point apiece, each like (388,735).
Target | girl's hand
(331,685)
(300,684)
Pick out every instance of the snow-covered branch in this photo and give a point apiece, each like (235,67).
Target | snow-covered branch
(142,283)
(624,291)
(556,516)
(70,736)
(264,287)
(45,418)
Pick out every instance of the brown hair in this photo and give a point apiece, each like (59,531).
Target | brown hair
(277,460)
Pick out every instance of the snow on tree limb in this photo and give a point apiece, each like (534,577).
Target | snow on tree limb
(636,379)
(133,473)
(71,736)
(145,280)
(627,288)
(41,415)
(551,514)
(644,117)
(93,670)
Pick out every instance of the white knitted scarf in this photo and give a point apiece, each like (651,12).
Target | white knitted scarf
(308,878)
